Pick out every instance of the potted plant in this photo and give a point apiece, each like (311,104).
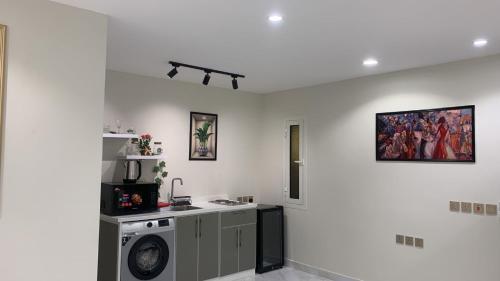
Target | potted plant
(203,135)
(144,144)
(160,172)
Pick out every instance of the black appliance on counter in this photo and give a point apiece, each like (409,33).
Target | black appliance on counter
(128,198)
(270,238)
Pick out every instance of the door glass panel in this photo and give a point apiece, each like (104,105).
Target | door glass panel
(148,257)
(294,162)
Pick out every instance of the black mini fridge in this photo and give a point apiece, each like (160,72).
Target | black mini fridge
(270,238)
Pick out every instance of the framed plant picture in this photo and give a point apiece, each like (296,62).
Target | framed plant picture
(3,31)
(433,135)
(203,136)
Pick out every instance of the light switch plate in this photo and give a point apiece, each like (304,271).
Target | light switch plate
(400,239)
(466,207)
(491,209)
(454,206)
(478,208)
(419,243)
(409,241)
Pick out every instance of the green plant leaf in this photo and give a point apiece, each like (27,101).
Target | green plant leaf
(164,174)
(163,164)
(158,180)
(156,169)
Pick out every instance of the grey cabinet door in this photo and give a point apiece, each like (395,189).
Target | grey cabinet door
(248,236)
(229,251)
(186,248)
(208,255)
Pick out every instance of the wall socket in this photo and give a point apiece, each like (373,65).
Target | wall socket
(466,207)
(491,209)
(454,206)
(478,208)
(400,239)
(409,241)
(419,243)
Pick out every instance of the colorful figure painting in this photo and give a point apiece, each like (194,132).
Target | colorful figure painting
(443,134)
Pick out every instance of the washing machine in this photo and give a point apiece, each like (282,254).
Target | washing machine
(145,251)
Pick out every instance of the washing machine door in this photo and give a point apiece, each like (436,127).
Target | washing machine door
(148,257)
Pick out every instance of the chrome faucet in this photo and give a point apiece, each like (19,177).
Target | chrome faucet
(172,190)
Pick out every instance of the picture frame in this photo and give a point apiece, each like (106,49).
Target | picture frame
(444,134)
(203,136)
(3,44)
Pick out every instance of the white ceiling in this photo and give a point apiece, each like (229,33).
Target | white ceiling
(319,41)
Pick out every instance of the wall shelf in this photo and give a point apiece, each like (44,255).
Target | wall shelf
(141,157)
(120,136)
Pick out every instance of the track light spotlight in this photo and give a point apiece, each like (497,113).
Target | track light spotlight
(172,72)
(235,83)
(207,71)
(206,79)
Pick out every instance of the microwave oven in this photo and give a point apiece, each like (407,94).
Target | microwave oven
(128,198)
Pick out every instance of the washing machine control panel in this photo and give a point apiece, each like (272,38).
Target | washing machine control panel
(141,227)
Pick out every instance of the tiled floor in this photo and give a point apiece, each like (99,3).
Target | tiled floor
(286,274)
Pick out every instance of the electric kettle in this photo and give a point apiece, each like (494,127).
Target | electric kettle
(133,171)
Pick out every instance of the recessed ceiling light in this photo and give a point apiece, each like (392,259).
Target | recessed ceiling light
(480,42)
(370,62)
(275,18)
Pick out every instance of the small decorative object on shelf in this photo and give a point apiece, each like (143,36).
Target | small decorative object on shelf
(157,148)
(144,145)
(118,126)
(131,131)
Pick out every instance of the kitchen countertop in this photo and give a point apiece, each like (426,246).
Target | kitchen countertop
(206,207)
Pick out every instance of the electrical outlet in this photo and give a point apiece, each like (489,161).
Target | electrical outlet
(491,209)
(466,207)
(454,206)
(419,243)
(478,208)
(409,241)
(400,239)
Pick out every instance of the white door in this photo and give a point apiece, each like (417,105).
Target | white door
(294,163)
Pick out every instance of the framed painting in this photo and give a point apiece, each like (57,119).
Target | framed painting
(3,31)
(203,136)
(434,135)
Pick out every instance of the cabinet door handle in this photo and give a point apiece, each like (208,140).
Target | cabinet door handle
(241,243)
(199,228)
(196,228)
(237,239)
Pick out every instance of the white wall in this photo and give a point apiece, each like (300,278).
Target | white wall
(49,204)
(357,205)
(161,107)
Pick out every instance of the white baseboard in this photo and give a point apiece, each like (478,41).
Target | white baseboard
(250,274)
(319,271)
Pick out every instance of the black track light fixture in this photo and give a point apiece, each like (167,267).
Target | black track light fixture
(173,72)
(206,79)
(207,71)
(235,83)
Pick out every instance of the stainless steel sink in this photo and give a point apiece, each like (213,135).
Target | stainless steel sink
(184,208)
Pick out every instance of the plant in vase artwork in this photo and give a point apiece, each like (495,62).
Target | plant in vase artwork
(202,135)
(144,145)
